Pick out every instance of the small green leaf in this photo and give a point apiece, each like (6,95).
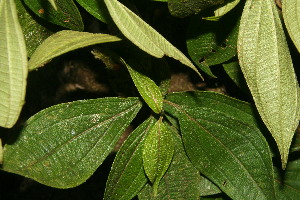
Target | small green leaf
(207,45)
(268,69)
(96,8)
(63,145)
(34,33)
(63,42)
(181,180)
(233,70)
(287,183)
(290,11)
(157,153)
(66,14)
(13,64)
(184,8)
(127,176)
(53,4)
(147,89)
(143,35)
(224,144)
(226,7)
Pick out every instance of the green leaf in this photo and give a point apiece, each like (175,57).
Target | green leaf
(233,70)
(66,15)
(268,69)
(143,35)
(96,8)
(184,8)
(288,185)
(207,45)
(207,188)
(34,33)
(63,145)
(13,65)
(224,144)
(63,42)
(157,153)
(53,4)
(147,89)
(224,9)
(290,12)
(127,176)
(181,180)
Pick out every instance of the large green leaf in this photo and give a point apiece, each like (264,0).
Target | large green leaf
(63,42)
(287,182)
(157,153)
(268,69)
(33,31)
(224,144)
(96,8)
(53,4)
(63,145)
(207,45)
(127,176)
(66,15)
(290,11)
(13,64)
(184,8)
(143,35)
(181,181)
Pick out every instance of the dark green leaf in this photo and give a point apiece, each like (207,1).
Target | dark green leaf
(157,153)
(207,45)
(96,8)
(180,182)
(233,70)
(63,145)
(225,147)
(127,176)
(184,8)
(66,15)
(34,32)
(208,188)
(287,185)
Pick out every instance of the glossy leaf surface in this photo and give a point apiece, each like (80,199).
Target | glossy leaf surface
(127,176)
(268,69)
(13,65)
(63,42)
(63,145)
(157,153)
(143,35)
(34,33)
(96,8)
(181,180)
(224,144)
(66,15)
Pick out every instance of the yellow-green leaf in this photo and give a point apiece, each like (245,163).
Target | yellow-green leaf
(53,4)
(267,66)
(290,11)
(13,64)
(158,153)
(143,35)
(63,42)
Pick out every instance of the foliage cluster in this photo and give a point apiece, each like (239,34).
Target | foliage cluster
(190,145)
